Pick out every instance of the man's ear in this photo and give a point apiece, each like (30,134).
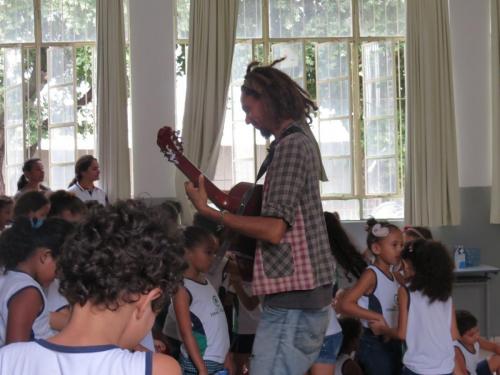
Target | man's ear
(145,301)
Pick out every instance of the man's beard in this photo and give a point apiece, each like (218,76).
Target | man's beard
(265,133)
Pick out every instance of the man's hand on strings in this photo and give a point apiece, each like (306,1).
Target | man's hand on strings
(197,195)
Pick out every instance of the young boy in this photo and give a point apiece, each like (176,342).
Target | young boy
(468,345)
(115,271)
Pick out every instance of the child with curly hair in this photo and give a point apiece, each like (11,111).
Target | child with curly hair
(373,298)
(115,270)
(426,314)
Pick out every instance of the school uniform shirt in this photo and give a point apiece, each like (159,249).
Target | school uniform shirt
(471,358)
(41,357)
(55,300)
(96,194)
(383,298)
(428,336)
(208,321)
(11,283)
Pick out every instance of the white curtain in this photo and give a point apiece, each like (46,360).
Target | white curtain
(495,116)
(432,191)
(112,131)
(212,33)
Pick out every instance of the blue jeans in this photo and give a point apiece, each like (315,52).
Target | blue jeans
(377,357)
(288,341)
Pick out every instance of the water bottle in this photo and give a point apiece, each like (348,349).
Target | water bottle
(459,256)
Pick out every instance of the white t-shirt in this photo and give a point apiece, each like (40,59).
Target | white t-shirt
(428,336)
(383,299)
(11,283)
(208,321)
(96,194)
(55,300)
(43,358)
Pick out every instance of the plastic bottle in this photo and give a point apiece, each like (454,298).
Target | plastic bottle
(459,257)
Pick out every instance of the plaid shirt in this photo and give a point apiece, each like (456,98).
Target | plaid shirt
(302,260)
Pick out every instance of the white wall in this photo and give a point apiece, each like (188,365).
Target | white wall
(152,53)
(470,36)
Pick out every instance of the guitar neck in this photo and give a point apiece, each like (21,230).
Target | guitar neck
(222,200)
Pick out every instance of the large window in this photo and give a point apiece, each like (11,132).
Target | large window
(349,55)
(47,86)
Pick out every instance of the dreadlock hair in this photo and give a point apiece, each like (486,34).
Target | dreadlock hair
(344,252)
(372,238)
(283,97)
(433,269)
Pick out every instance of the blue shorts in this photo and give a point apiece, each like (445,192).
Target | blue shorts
(330,349)
(483,368)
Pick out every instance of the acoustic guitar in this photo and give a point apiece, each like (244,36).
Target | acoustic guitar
(243,199)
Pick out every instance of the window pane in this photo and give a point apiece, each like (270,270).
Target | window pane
(13,114)
(382,17)
(249,19)
(60,176)
(18,24)
(62,144)
(335,138)
(333,60)
(242,56)
(347,209)
(13,174)
(383,208)
(183,19)
(381,176)
(301,18)
(224,172)
(60,65)
(378,79)
(380,138)
(293,65)
(339,176)
(14,145)
(244,170)
(61,105)
(68,20)
(85,90)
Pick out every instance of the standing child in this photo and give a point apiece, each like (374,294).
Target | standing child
(426,315)
(114,271)
(468,345)
(199,311)
(373,298)
(28,255)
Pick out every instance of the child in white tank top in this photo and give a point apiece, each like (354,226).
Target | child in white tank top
(28,255)
(468,345)
(373,298)
(426,314)
(198,310)
(115,271)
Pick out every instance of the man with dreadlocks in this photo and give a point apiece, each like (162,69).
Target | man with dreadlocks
(293,266)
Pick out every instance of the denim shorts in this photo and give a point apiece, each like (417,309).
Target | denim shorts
(330,349)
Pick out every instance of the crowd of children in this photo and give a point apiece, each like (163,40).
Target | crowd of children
(92,289)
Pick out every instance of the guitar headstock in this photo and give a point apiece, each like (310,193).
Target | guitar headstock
(170,143)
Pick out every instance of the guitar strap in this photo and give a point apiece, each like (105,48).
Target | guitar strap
(224,247)
(269,158)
